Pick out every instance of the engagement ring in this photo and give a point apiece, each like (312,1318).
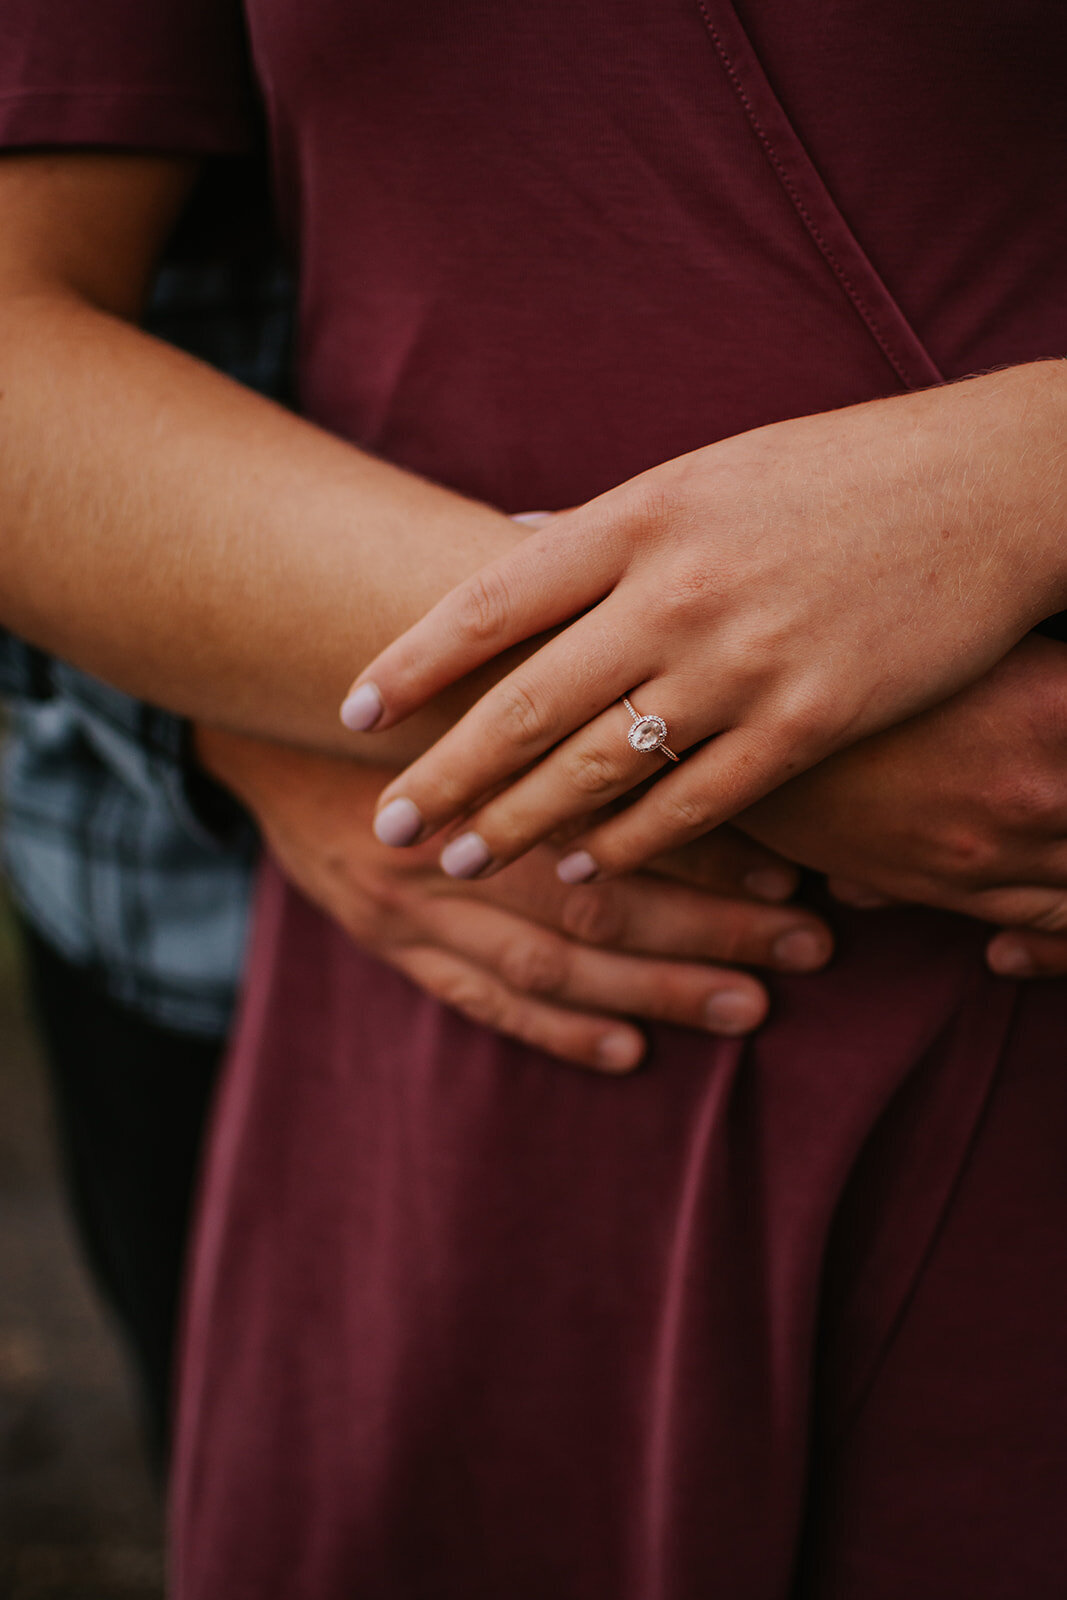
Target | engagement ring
(647,734)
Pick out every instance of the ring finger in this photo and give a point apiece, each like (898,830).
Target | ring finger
(593,767)
(573,678)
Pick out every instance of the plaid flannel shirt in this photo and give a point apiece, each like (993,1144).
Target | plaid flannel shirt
(117,852)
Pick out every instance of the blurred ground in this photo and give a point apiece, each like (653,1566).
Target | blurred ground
(78,1516)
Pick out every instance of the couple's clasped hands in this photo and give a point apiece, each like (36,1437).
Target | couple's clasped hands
(912,811)
(558,967)
(776,598)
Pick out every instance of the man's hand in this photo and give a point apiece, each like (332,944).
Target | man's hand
(964,807)
(553,966)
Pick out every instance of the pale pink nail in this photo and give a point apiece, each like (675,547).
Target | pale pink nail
(363,708)
(732,1011)
(620,1052)
(576,867)
(1009,956)
(399,823)
(465,856)
(771,883)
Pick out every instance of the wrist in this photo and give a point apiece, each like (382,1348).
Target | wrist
(1021,434)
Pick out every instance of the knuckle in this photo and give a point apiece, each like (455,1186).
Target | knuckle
(731,941)
(690,587)
(1030,801)
(484,607)
(476,999)
(805,722)
(533,966)
(594,914)
(520,712)
(684,812)
(370,906)
(386,897)
(592,772)
(677,995)
(965,855)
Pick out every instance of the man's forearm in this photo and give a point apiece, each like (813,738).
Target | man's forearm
(196,545)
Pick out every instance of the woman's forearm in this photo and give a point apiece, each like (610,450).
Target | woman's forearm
(195,544)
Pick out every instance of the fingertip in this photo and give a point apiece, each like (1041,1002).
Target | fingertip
(803,949)
(1009,956)
(735,1011)
(466,856)
(771,883)
(533,519)
(399,823)
(620,1051)
(362,708)
(578,867)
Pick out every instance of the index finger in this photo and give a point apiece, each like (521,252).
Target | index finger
(544,581)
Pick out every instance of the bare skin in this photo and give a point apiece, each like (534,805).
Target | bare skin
(168,529)
(251,552)
(779,595)
(127,469)
(964,807)
(556,967)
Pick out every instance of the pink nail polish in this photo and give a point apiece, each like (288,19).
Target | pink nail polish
(1010,957)
(533,519)
(577,867)
(801,949)
(399,823)
(731,1011)
(363,708)
(619,1052)
(465,856)
(771,883)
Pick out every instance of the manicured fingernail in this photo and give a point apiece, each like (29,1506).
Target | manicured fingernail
(732,1011)
(398,823)
(576,868)
(770,883)
(619,1052)
(1010,957)
(465,856)
(363,708)
(533,519)
(801,949)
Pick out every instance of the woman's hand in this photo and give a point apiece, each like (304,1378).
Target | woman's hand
(780,595)
(553,966)
(964,807)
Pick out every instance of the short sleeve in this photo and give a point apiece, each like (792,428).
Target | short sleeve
(163,75)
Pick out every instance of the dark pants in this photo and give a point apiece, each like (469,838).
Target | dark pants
(130,1103)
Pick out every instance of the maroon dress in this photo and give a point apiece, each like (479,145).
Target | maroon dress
(785,1318)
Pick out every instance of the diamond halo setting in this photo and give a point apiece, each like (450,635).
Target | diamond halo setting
(647,734)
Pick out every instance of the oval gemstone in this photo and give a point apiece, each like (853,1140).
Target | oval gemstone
(648,734)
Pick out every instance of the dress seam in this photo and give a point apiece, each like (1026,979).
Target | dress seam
(811,226)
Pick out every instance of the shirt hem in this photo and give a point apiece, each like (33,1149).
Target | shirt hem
(147,120)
